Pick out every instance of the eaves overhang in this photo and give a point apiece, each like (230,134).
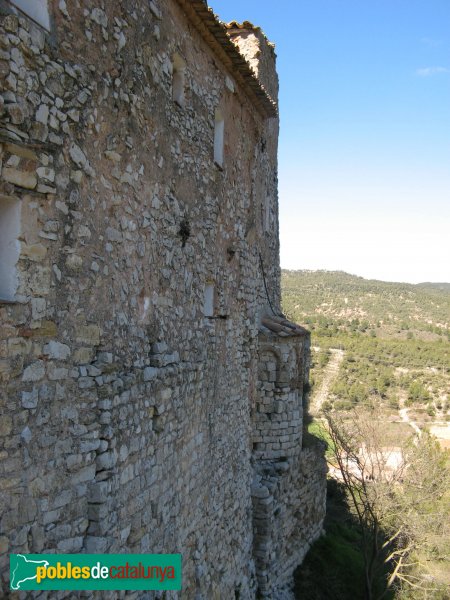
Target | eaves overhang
(214,33)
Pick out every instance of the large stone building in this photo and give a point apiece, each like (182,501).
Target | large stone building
(151,390)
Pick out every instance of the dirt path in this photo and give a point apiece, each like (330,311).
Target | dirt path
(403,412)
(330,373)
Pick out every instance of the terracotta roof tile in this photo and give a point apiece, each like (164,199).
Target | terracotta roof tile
(282,327)
(214,32)
(248,25)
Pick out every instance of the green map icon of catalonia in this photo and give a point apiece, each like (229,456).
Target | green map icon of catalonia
(23,569)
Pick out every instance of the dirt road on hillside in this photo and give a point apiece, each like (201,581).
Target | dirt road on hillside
(403,412)
(330,373)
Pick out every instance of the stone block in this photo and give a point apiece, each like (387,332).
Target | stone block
(88,334)
(89,445)
(4,544)
(57,373)
(42,114)
(74,262)
(159,348)
(86,382)
(18,347)
(107,460)
(127,474)
(62,499)
(83,355)
(5,425)
(34,372)
(46,173)
(96,545)
(150,373)
(98,492)
(57,350)
(38,308)
(97,512)
(35,252)
(105,357)
(26,435)
(39,281)
(86,474)
(24,179)
(71,545)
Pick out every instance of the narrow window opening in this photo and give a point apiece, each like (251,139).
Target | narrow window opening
(267,216)
(179,80)
(9,246)
(36,10)
(208,304)
(219,126)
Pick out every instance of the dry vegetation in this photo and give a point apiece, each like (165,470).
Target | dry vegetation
(395,337)
(396,362)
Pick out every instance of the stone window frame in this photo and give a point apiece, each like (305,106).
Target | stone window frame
(179,80)
(36,10)
(267,214)
(219,137)
(10,230)
(209,299)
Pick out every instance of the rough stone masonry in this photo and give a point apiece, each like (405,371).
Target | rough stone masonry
(151,390)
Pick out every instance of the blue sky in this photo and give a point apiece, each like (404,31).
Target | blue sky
(364,155)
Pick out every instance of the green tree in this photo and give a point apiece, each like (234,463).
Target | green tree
(399,499)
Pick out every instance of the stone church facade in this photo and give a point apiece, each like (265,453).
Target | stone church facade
(151,392)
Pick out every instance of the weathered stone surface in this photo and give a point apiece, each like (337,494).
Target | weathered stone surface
(83,355)
(150,373)
(26,436)
(88,334)
(46,330)
(46,174)
(38,306)
(24,179)
(36,252)
(34,372)
(42,114)
(74,262)
(30,399)
(5,425)
(57,350)
(145,409)
(16,113)
(77,155)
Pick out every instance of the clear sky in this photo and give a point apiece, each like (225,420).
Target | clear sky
(364,155)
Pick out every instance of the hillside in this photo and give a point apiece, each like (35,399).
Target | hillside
(352,303)
(384,346)
(395,339)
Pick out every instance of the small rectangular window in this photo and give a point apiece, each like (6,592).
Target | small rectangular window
(9,245)
(178,80)
(219,126)
(36,10)
(208,305)
(267,214)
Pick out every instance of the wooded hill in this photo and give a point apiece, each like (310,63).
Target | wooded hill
(395,337)
(351,303)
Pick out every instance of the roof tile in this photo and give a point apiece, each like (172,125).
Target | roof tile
(214,32)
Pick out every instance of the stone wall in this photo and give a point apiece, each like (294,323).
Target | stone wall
(289,485)
(258,51)
(127,421)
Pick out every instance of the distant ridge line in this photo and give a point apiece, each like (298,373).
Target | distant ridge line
(441,285)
